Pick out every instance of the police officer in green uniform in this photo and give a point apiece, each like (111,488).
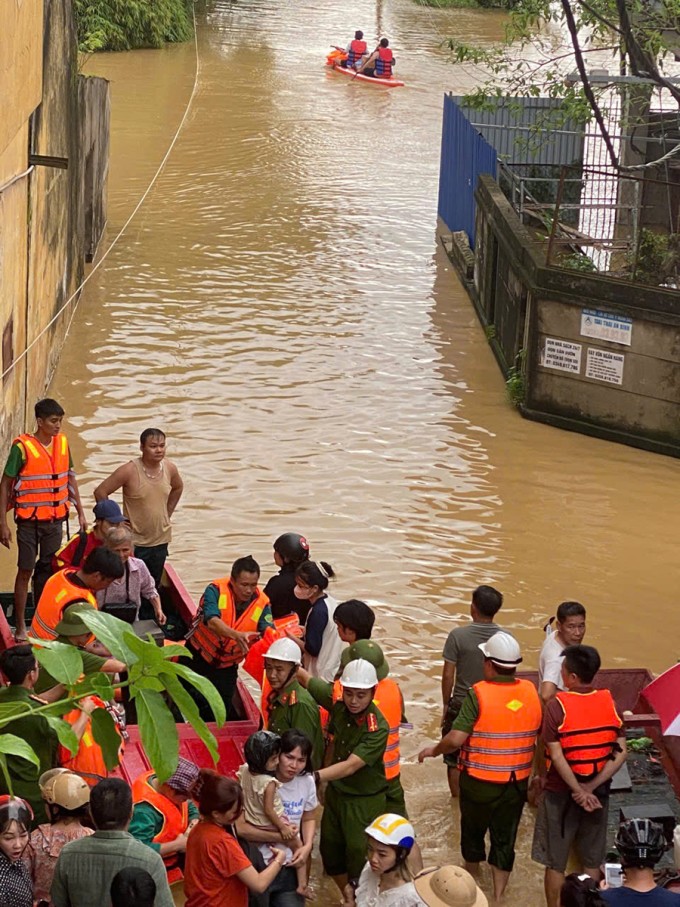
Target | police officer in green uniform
(21,669)
(289,705)
(357,788)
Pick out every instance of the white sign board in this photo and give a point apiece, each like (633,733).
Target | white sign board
(605,326)
(603,365)
(562,355)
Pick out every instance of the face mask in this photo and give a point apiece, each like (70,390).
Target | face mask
(302,594)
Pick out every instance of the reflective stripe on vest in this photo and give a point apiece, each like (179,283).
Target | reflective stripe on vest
(175,818)
(389,701)
(356,51)
(589,730)
(41,491)
(216,650)
(501,746)
(58,594)
(383,63)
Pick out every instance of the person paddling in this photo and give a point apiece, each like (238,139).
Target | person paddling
(380,63)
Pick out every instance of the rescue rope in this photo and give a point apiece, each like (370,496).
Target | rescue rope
(95,268)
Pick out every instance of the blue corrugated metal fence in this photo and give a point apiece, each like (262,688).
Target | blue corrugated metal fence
(465,154)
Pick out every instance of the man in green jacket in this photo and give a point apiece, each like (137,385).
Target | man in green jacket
(289,705)
(357,787)
(20,667)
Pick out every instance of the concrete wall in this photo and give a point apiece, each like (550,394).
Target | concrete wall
(599,355)
(47,110)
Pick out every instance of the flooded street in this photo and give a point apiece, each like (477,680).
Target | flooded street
(281,308)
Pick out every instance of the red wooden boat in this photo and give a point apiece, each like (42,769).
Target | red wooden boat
(230,738)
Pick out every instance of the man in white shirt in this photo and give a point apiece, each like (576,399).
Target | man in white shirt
(569,631)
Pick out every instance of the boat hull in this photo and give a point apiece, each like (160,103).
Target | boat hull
(333,63)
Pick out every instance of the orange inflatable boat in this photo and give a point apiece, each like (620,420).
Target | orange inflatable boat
(334,59)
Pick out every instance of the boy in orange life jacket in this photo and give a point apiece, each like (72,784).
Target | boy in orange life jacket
(39,477)
(356,51)
(586,745)
(496,730)
(232,615)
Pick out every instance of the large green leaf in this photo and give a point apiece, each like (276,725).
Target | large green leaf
(203,686)
(65,733)
(158,731)
(11,710)
(189,709)
(5,773)
(110,631)
(101,683)
(106,735)
(146,651)
(11,745)
(64,662)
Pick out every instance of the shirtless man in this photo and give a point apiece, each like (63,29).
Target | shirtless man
(152,487)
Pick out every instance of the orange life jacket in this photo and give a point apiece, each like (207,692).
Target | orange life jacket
(216,650)
(58,594)
(589,730)
(89,760)
(40,491)
(175,819)
(383,63)
(356,51)
(501,746)
(389,700)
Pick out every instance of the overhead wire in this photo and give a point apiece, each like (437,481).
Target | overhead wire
(77,292)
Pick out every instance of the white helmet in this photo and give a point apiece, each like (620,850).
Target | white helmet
(359,675)
(502,649)
(285,650)
(392,829)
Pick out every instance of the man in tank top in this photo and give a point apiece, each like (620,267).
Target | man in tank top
(152,487)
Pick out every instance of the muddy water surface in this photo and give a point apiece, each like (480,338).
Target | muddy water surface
(281,308)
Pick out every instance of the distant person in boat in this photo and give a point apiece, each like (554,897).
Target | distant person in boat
(464,665)
(135,586)
(38,483)
(290,550)
(641,844)
(233,613)
(570,629)
(357,50)
(107,514)
(217,871)
(357,787)
(20,667)
(321,646)
(586,745)
(298,793)
(380,63)
(68,587)
(86,868)
(288,705)
(164,814)
(496,731)
(354,620)
(152,487)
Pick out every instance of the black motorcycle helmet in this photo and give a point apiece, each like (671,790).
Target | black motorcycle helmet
(293,548)
(641,843)
(259,749)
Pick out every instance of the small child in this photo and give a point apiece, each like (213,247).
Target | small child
(354,620)
(262,802)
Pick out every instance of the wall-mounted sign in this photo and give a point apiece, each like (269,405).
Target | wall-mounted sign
(562,355)
(605,326)
(603,365)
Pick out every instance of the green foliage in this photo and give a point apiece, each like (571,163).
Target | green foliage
(651,256)
(152,678)
(514,383)
(578,261)
(490,332)
(127,24)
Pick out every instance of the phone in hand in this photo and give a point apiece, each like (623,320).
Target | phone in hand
(613,875)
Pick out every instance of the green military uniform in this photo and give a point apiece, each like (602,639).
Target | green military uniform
(293,707)
(147,822)
(41,738)
(354,802)
(91,665)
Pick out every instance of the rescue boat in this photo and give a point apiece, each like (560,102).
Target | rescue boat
(334,59)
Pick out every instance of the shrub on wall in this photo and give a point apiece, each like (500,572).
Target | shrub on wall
(127,24)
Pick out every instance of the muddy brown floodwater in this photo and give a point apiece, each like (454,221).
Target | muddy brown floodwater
(281,308)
